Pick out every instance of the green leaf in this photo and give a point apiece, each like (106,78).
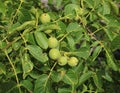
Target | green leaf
(97,82)
(106,8)
(79,68)
(2,8)
(71,42)
(96,52)
(64,90)
(107,77)
(27,65)
(114,7)
(109,34)
(70,10)
(24,15)
(18,27)
(2,69)
(90,3)
(36,52)
(41,39)
(110,60)
(70,78)
(74,27)
(58,3)
(42,85)
(116,42)
(56,76)
(30,38)
(27,84)
(8,87)
(82,52)
(84,77)
(48,27)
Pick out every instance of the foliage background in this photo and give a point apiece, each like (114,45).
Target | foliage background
(87,29)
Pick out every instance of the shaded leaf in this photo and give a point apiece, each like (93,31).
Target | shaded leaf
(42,85)
(64,90)
(84,77)
(2,69)
(116,42)
(70,78)
(27,84)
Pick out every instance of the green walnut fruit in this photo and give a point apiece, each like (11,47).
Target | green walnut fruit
(45,18)
(62,61)
(52,42)
(54,54)
(73,61)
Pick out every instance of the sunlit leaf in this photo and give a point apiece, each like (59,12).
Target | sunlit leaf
(36,52)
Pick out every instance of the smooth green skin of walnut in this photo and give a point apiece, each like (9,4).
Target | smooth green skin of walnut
(52,42)
(54,54)
(62,61)
(45,18)
(73,61)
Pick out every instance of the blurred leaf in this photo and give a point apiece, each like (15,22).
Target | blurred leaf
(79,68)
(110,60)
(96,52)
(70,78)
(97,82)
(56,77)
(27,65)
(74,27)
(106,8)
(109,34)
(64,90)
(82,52)
(30,38)
(24,15)
(70,10)
(36,52)
(58,3)
(90,3)
(62,26)
(2,7)
(2,69)
(107,77)
(27,84)
(8,87)
(42,85)
(41,39)
(18,27)
(84,77)
(116,42)
(71,42)
(115,8)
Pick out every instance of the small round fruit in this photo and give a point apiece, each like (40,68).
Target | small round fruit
(54,54)
(73,61)
(45,18)
(62,61)
(52,42)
